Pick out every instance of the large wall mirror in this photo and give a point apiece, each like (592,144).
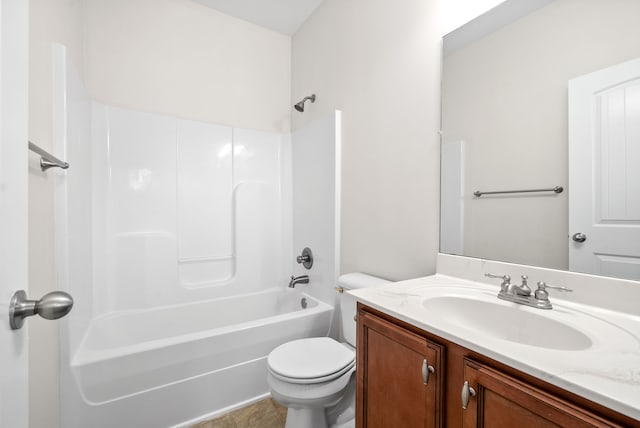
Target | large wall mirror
(539,95)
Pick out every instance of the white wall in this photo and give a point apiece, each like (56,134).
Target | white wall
(379,62)
(181,58)
(49,21)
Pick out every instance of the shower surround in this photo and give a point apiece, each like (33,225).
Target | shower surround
(175,238)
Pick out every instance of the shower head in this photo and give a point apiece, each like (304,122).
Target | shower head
(300,106)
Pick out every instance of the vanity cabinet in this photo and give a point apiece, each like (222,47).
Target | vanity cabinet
(399,376)
(500,400)
(391,392)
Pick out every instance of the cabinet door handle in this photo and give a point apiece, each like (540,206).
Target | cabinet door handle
(426,371)
(467,392)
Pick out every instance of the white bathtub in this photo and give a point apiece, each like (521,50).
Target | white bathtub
(176,365)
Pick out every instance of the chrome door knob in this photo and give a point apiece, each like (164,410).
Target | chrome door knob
(579,237)
(52,306)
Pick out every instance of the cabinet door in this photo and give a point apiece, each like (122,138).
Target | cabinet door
(497,400)
(399,376)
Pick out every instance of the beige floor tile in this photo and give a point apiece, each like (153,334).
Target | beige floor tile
(225,421)
(263,414)
(282,411)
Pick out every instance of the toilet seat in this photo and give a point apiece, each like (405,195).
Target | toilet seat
(311,360)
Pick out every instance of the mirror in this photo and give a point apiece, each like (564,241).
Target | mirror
(542,95)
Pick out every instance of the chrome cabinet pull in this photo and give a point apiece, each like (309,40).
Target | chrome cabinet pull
(426,371)
(52,306)
(467,392)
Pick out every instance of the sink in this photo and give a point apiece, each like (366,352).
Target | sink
(508,321)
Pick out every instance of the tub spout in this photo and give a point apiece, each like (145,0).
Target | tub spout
(302,279)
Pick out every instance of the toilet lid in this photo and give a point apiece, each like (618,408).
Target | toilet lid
(313,359)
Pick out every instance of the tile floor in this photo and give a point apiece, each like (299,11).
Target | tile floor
(263,414)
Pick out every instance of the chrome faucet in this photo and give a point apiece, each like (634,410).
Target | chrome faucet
(302,279)
(522,293)
(522,289)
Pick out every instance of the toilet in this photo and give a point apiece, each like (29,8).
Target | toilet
(315,377)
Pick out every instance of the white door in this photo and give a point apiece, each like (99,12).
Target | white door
(13,208)
(604,172)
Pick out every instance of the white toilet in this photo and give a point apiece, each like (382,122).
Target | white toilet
(315,377)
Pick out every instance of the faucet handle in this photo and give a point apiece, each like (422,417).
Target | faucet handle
(306,258)
(543,285)
(542,294)
(506,279)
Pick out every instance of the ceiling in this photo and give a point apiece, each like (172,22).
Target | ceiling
(284,16)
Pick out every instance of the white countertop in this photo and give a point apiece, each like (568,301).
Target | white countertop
(608,372)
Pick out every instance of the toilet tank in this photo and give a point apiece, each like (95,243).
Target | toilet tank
(353,281)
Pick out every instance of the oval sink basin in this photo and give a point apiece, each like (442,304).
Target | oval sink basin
(506,321)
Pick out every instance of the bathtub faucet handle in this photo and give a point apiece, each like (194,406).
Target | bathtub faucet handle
(306,258)
(302,279)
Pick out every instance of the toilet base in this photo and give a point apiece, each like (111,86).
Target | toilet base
(343,414)
(308,418)
(336,411)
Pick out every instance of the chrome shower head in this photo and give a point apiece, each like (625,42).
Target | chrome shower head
(300,106)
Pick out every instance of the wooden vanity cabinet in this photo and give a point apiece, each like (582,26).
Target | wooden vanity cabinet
(399,376)
(503,401)
(390,391)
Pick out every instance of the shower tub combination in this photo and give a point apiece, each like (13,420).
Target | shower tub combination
(171,366)
(175,239)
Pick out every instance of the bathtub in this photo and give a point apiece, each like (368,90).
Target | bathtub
(176,365)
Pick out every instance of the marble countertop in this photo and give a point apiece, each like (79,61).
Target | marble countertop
(607,372)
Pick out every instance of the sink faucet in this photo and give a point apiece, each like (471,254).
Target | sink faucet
(522,289)
(302,279)
(522,293)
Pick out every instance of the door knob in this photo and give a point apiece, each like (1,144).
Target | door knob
(579,237)
(52,306)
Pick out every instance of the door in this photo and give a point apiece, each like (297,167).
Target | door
(399,377)
(604,176)
(13,208)
(493,399)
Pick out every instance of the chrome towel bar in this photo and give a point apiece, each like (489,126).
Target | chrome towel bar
(47,160)
(557,189)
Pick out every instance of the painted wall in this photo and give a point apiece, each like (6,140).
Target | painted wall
(380,64)
(181,58)
(506,98)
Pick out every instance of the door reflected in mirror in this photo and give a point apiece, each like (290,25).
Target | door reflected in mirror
(540,94)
